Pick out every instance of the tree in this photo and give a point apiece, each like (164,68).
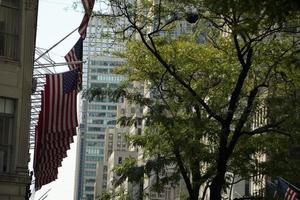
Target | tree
(249,58)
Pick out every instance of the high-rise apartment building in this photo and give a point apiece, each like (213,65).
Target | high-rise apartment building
(117,148)
(97,115)
(17,41)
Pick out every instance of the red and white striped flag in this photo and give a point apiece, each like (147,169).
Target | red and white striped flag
(290,194)
(60,102)
(74,55)
(88,6)
(83,26)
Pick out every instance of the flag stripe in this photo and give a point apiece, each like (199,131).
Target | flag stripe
(88,6)
(83,26)
(60,106)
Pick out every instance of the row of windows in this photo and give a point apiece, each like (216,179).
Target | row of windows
(104,85)
(107,48)
(93,28)
(132,110)
(94,136)
(111,78)
(119,136)
(101,70)
(94,151)
(93,40)
(90,181)
(90,173)
(119,144)
(101,107)
(90,165)
(93,158)
(95,143)
(101,121)
(107,100)
(96,129)
(107,63)
(89,188)
(101,114)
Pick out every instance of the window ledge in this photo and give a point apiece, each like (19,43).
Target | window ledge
(9,60)
(12,177)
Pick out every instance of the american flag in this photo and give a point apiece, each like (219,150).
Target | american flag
(88,6)
(75,54)
(83,26)
(60,102)
(285,188)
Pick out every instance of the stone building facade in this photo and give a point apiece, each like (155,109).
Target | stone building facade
(18,20)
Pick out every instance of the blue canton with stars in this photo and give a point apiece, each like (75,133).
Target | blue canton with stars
(78,49)
(70,80)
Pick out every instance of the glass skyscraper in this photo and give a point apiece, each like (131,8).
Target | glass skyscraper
(97,115)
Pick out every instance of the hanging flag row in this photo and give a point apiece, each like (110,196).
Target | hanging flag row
(56,125)
(57,120)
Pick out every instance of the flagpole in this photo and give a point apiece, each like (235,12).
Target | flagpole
(55,44)
(57,64)
(45,194)
(290,184)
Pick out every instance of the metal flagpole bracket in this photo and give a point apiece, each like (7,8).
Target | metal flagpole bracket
(55,45)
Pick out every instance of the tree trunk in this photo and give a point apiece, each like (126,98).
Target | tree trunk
(219,180)
(216,186)
(194,195)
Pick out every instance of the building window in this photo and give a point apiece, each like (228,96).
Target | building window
(7,109)
(132,110)
(112,107)
(123,111)
(120,160)
(119,136)
(139,131)
(139,121)
(90,181)
(89,188)
(9,29)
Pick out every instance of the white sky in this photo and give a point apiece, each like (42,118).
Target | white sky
(56,19)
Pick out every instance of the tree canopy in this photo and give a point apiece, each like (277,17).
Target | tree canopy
(224,91)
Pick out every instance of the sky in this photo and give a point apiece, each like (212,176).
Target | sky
(56,19)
